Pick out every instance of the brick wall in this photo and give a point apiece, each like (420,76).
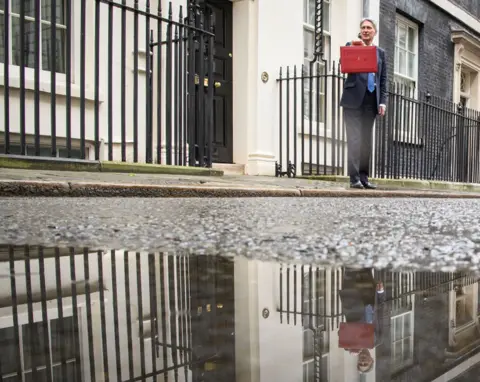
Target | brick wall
(430,316)
(435,72)
(430,341)
(431,325)
(435,50)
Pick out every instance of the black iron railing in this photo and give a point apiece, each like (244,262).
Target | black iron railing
(420,137)
(133,83)
(426,137)
(303,297)
(311,132)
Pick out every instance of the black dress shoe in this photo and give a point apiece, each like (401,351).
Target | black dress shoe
(357,184)
(369,186)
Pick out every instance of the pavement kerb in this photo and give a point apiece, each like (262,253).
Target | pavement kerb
(61,164)
(12,188)
(386,194)
(411,184)
(15,188)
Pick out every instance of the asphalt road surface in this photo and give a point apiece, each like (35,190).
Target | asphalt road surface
(400,233)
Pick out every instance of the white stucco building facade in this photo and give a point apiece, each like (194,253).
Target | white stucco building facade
(255,39)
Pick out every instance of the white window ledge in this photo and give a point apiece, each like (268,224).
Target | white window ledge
(6,318)
(322,133)
(466,326)
(45,87)
(415,140)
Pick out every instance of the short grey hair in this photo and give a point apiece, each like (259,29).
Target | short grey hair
(370,20)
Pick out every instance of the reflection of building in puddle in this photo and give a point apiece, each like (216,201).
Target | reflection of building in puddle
(81,315)
(416,333)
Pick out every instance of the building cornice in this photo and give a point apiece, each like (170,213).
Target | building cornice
(458,13)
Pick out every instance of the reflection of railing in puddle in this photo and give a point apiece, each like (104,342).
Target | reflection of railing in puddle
(77,314)
(310,294)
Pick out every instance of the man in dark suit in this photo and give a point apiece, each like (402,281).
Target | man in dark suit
(364,97)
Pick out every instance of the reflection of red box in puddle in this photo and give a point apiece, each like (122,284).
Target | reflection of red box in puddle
(356,335)
(358,59)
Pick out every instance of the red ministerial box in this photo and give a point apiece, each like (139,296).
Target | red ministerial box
(358,59)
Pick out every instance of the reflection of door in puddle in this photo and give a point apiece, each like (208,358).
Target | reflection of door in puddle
(222,73)
(213,318)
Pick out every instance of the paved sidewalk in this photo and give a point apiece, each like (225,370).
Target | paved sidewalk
(15,182)
(240,181)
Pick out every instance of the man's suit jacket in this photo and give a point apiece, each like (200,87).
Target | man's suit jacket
(355,85)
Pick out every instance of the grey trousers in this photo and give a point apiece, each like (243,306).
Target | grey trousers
(359,125)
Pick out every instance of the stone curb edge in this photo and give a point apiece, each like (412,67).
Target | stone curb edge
(62,164)
(405,183)
(15,188)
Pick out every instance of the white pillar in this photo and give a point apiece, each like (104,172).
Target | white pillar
(261,44)
(247,367)
(245,36)
(265,349)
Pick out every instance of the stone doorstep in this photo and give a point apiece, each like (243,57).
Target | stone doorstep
(230,168)
(415,184)
(64,164)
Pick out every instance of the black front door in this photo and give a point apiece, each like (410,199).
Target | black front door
(212,319)
(222,71)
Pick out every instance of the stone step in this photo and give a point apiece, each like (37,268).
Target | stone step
(230,168)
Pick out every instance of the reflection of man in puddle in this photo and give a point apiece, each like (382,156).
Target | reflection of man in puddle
(365,361)
(362,300)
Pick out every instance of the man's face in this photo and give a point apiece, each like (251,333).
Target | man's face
(367,31)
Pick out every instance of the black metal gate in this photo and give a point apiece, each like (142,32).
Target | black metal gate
(183,81)
(131,82)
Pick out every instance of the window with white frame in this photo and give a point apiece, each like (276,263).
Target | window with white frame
(401,333)
(47,62)
(404,107)
(478,298)
(315,89)
(406,52)
(34,352)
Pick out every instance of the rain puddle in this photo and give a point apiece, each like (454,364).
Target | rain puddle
(78,314)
